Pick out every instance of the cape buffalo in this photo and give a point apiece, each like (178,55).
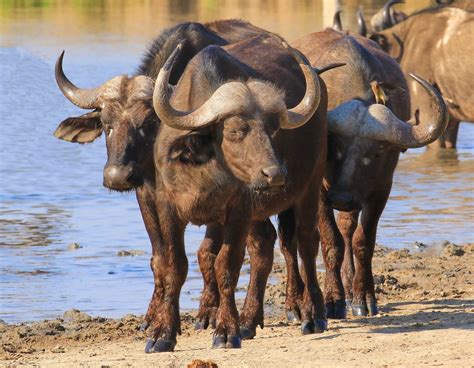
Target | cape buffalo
(365,141)
(437,43)
(234,100)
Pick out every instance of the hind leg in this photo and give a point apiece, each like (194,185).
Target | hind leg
(260,242)
(289,249)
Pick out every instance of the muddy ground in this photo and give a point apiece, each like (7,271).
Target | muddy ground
(426,318)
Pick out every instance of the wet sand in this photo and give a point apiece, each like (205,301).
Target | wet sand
(427,318)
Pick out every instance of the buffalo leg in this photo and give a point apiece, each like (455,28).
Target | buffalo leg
(146,201)
(363,246)
(227,268)
(313,314)
(449,138)
(288,246)
(260,242)
(333,252)
(347,223)
(207,254)
(170,266)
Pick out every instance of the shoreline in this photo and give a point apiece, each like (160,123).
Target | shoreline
(426,317)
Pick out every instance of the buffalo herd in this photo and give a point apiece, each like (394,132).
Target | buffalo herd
(225,124)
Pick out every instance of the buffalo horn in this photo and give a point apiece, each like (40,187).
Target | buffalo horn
(362,28)
(81,97)
(300,114)
(336,22)
(378,122)
(387,18)
(229,98)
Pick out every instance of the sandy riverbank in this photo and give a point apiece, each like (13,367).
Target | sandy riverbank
(427,318)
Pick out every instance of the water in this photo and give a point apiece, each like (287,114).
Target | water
(51,191)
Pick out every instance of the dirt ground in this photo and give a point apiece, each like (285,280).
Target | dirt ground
(426,319)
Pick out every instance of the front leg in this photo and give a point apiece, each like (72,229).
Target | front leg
(347,223)
(363,245)
(207,254)
(146,201)
(260,242)
(333,252)
(170,267)
(227,267)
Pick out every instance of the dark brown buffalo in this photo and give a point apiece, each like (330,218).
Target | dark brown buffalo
(365,141)
(233,100)
(437,43)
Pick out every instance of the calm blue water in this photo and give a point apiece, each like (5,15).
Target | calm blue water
(51,194)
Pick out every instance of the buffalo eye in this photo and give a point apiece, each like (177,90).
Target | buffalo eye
(141,131)
(235,129)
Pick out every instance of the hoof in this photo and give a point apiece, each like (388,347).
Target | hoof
(247,333)
(348,304)
(292,317)
(307,327)
(144,326)
(220,342)
(320,325)
(336,310)
(234,342)
(159,346)
(360,310)
(373,310)
(200,325)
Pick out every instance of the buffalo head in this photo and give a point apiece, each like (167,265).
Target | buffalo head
(122,109)
(244,117)
(364,143)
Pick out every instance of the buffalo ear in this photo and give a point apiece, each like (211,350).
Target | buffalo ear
(381,40)
(80,129)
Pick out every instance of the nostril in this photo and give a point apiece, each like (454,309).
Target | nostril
(275,175)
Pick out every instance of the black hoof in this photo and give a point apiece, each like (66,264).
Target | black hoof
(159,346)
(373,310)
(336,310)
(292,317)
(329,310)
(348,304)
(360,310)
(320,325)
(234,342)
(247,333)
(144,326)
(220,342)
(307,327)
